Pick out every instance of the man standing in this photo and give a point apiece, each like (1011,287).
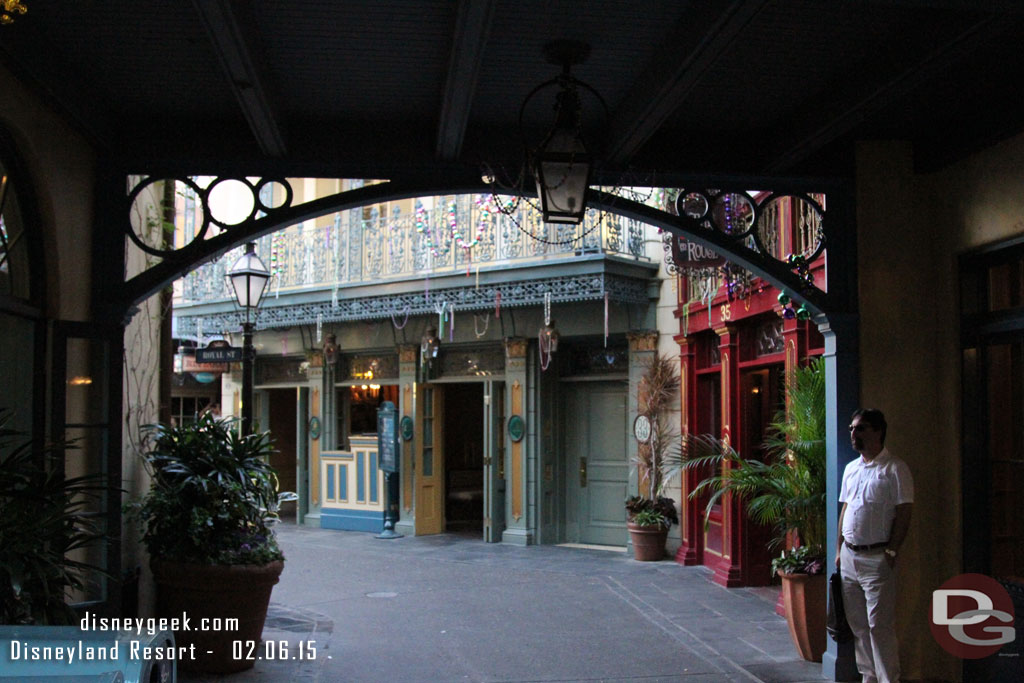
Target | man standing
(877,496)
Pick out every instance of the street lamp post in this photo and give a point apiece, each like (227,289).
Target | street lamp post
(249,280)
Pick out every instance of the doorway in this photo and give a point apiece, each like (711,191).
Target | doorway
(282,404)
(464,458)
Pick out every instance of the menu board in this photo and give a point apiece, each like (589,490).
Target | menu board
(387,436)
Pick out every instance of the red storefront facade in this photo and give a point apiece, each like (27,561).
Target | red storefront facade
(737,344)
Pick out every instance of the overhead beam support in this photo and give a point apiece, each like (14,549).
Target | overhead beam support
(235,51)
(693,46)
(851,110)
(472,28)
(178,263)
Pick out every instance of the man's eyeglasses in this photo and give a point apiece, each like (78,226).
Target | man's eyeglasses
(859,427)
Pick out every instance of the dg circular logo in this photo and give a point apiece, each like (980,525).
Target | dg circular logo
(972,616)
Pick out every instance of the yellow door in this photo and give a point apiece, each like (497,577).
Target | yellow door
(429,460)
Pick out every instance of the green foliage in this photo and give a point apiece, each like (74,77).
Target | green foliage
(650,518)
(799,560)
(661,510)
(788,489)
(213,498)
(43,517)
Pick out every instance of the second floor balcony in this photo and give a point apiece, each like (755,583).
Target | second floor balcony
(463,250)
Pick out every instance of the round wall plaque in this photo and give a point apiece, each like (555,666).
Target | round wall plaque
(314,428)
(406,428)
(516,428)
(642,428)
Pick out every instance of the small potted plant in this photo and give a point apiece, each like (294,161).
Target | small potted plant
(650,515)
(648,521)
(787,490)
(206,523)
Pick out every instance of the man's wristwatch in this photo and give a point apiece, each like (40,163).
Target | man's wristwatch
(891,553)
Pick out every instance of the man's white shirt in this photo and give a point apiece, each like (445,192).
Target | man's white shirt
(871,491)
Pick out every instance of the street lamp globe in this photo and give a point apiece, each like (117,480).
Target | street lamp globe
(249,277)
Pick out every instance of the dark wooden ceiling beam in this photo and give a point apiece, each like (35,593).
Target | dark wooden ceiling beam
(472,28)
(694,44)
(233,43)
(827,122)
(30,54)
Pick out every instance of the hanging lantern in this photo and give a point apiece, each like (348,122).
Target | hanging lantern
(561,164)
(331,350)
(548,337)
(430,345)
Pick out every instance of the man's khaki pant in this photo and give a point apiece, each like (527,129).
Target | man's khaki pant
(869,596)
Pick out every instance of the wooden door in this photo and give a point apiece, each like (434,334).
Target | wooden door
(429,497)
(596,443)
(494,461)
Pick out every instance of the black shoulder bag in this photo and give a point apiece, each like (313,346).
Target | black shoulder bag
(836,624)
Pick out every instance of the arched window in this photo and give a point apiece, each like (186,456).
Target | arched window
(22,326)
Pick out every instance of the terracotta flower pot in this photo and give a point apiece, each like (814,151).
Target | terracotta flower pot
(216,592)
(804,598)
(648,541)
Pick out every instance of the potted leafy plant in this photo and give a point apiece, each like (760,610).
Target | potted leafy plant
(787,490)
(206,524)
(649,515)
(44,516)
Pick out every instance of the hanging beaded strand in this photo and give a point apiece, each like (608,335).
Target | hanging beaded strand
(543,343)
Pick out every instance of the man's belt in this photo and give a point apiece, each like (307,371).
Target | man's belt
(870,546)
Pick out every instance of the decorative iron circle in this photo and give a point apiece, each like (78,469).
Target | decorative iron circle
(219,180)
(764,214)
(204,225)
(692,205)
(734,213)
(288,194)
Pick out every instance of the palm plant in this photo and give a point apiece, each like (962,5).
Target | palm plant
(787,490)
(44,517)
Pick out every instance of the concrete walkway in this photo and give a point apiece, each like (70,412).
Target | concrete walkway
(452,608)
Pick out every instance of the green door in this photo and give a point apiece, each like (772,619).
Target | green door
(596,448)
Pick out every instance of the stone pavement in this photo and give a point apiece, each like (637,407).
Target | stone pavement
(452,608)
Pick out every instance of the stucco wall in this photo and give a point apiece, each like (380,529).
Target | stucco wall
(911,228)
(61,164)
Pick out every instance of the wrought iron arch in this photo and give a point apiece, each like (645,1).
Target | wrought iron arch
(741,246)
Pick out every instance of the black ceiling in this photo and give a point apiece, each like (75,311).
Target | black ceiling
(364,88)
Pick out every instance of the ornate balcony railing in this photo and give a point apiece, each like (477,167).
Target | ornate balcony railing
(454,234)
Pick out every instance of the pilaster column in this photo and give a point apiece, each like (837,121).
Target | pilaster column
(407,357)
(729,572)
(642,346)
(794,338)
(842,397)
(519,525)
(316,379)
(691,523)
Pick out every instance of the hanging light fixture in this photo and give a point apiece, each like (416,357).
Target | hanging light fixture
(331,350)
(547,336)
(561,164)
(430,345)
